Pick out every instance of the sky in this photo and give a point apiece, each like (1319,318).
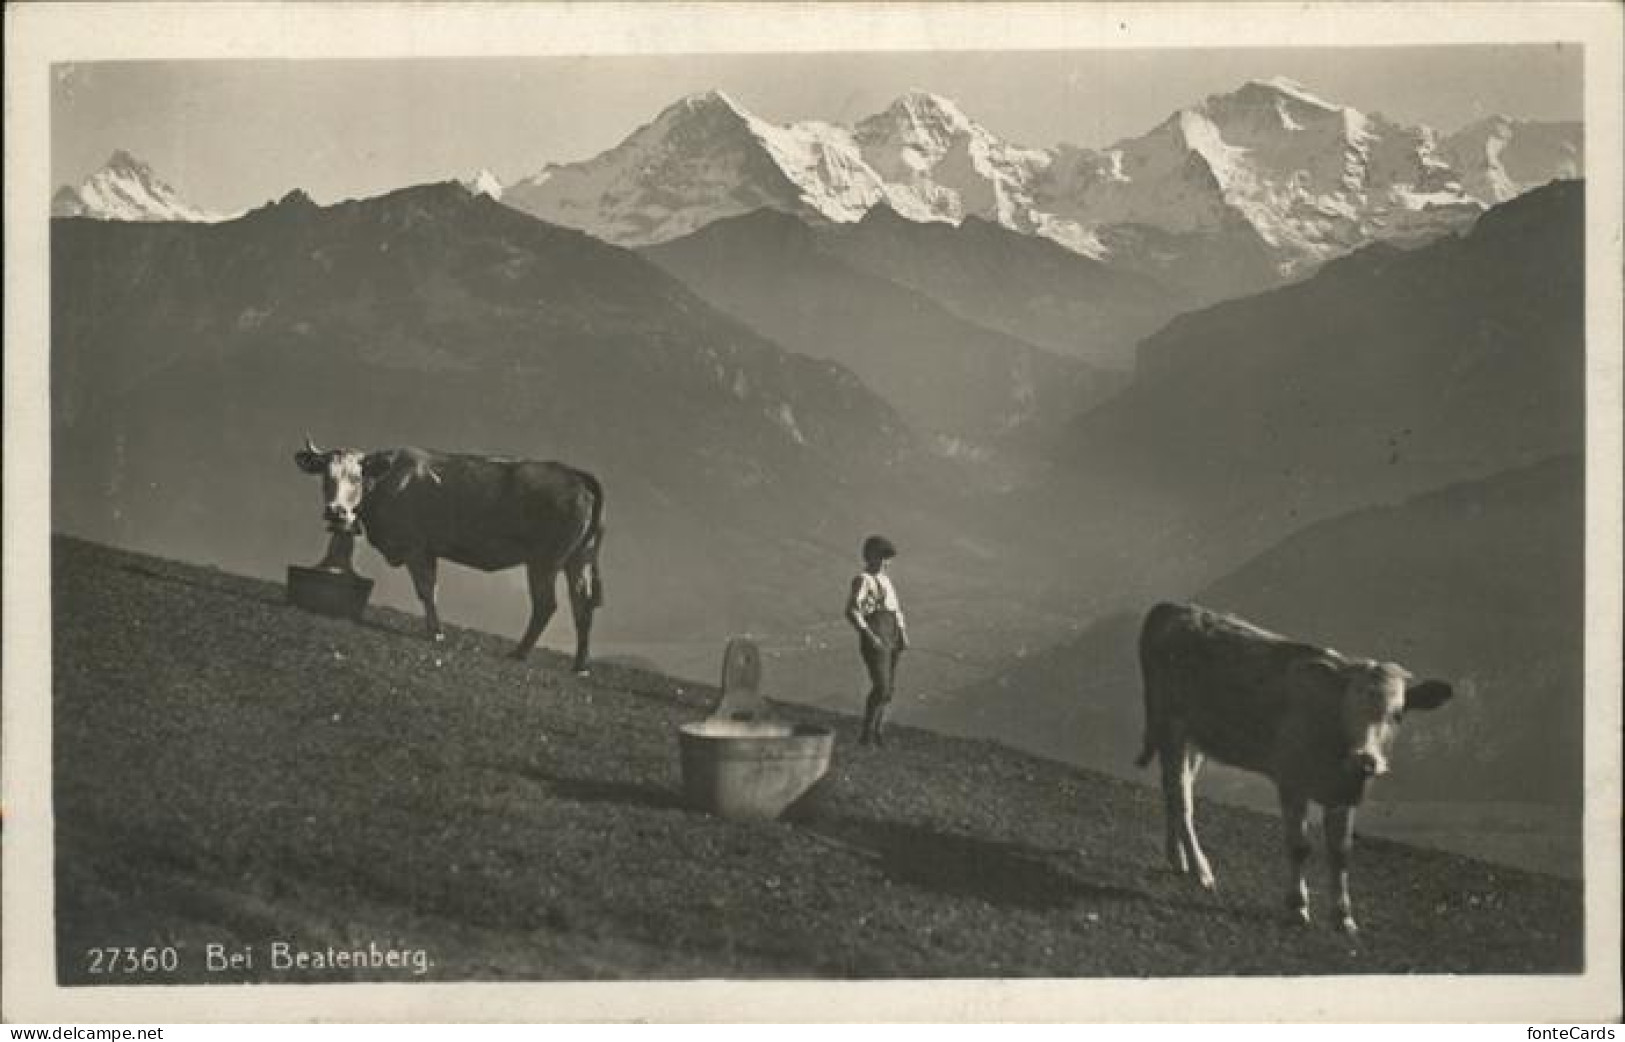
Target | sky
(233,134)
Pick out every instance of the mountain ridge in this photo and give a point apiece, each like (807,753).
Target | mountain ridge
(1027,286)
(965,384)
(1387,372)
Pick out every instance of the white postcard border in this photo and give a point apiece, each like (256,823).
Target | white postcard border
(38,35)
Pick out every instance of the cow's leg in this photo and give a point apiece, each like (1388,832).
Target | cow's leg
(543,602)
(1339,822)
(1185,763)
(1172,759)
(423,567)
(1193,849)
(1295,825)
(583,602)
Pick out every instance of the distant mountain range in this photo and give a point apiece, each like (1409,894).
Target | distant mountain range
(1225,197)
(1233,194)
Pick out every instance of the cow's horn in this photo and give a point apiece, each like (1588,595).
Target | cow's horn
(310,447)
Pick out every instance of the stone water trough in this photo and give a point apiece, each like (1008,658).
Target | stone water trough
(740,763)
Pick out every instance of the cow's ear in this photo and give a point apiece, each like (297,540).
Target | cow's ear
(1430,694)
(310,462)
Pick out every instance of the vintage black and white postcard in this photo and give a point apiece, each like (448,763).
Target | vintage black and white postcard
(1065,511)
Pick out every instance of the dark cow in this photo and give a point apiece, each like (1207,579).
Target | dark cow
(1319,725)
(418,507)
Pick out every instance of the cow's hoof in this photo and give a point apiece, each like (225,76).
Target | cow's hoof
(518,654)
(438,637)
(583,673)
(1208,883)
(1346,924)
(1299,916)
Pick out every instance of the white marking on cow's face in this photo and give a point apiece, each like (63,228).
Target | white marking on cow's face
(1372,707)
(342,488)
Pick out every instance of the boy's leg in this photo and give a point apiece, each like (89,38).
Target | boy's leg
(878,658)
(885,627)
(874,662)
(886,697)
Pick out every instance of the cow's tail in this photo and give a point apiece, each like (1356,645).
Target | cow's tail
(593,542)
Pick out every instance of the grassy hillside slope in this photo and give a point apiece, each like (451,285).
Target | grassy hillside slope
(230,770)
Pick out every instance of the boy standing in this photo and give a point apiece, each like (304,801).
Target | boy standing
(875,612)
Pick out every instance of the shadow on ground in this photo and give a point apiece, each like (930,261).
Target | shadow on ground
(595,790)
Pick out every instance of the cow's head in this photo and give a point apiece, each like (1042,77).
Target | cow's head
(1372,699)
(345,476)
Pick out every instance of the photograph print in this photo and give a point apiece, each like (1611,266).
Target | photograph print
(1065,513)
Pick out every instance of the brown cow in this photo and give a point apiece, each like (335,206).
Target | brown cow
(418,506)
(1319,725)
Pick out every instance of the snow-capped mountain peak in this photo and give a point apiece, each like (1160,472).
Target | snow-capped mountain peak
(1272,177)
(1268,109)
(919,114)
(937,163)
(484,182)
(912,133)
(710,101)
(123,162)
(703,158)
(1498,158)
(703,113)
(1280,87)
(125,189)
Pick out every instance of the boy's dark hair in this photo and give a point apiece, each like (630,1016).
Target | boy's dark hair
(878,546)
